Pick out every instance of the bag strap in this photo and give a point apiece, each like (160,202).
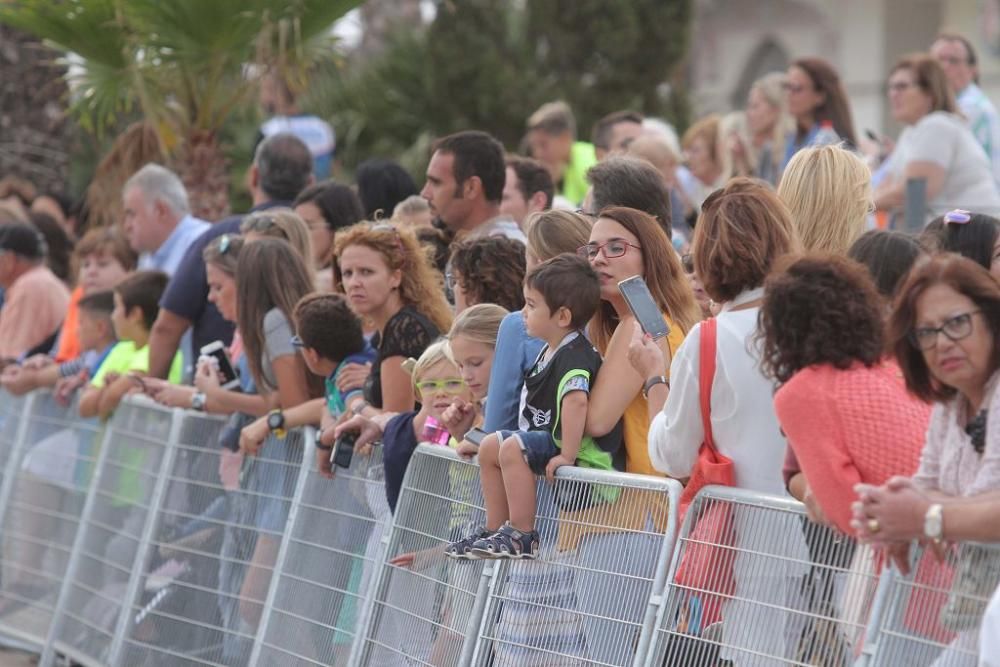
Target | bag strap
(706,375)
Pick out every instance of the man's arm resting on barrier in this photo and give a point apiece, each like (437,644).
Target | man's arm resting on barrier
(164,339)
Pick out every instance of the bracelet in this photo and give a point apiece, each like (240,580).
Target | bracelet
(323,448)
(652,382)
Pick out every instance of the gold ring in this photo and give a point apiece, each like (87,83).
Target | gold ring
(873,526)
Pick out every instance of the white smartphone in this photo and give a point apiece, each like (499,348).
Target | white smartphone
(217,351)
(641,302)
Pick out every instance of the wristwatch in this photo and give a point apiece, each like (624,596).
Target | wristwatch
(652,382)
(276,423)
(198,400)
(934,522)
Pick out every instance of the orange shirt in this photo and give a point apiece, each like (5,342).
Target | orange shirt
(69,341)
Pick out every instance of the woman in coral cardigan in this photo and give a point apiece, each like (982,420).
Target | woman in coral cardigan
(842,405)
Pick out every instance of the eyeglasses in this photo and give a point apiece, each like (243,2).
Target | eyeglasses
(612,249)
(957,217)
(589,214)
(450,280)
(386,227)
(900,86)
(297,342)
(448,386)
(793,87)
(954,329)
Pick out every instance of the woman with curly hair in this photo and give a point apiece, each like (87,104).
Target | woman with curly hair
(389,282)
(822,330)
(487,270)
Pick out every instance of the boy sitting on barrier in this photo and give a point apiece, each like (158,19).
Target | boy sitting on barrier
(136,305)
(561,295)
(330,337)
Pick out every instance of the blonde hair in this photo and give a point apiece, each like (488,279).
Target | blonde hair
(412,205)
(772,87)
(556,231)
(553,118)
(421,286)
(282,223)
(734,122)
(655,149)
(436,353)
(828,191)
(479,323)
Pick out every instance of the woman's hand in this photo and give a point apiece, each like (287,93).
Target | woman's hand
(170,395)
(459,417)
(645,355)
(206,379)
(352,376)
(253,435)
(893,512)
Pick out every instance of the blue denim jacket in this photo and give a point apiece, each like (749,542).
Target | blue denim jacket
(516,351)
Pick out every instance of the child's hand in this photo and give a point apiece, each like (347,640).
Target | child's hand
(459,417)
(253,435)
(554,464)
(323,465)
(467,450)
(352,376)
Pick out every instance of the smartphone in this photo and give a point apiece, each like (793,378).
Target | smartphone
(343,450)
(641,302)
(476,436)
(217,351)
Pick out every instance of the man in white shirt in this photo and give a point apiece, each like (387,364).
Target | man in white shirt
(958,59)
(158,220)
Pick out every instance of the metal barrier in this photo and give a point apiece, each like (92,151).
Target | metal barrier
(777,588)
(161,559)
(49,474)
(932,615)
(335,547)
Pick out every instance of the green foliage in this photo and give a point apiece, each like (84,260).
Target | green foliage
(488,64)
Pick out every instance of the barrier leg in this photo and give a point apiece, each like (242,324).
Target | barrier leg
(76,555)
(658,596)
(376,582)
(308,456)
(494,571)
(145,540)
(13,462)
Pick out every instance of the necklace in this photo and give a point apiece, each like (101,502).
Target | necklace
(976,430)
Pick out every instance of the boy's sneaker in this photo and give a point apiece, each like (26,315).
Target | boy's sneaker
(462,549)
(508,542)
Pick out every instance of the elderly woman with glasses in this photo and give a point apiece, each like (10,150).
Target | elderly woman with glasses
(936,146)
(943,333)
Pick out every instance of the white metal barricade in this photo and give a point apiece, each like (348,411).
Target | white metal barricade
(50,474)
(606,543)
(117,517)
(754,582)
(932,615)
(335,546)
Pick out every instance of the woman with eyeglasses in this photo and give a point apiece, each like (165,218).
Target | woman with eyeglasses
(943,333)
(972,235)
(327,208)
(742,231)
(936,145)
(389,283)
(816,96)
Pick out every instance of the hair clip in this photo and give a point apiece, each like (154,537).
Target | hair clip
(957,217)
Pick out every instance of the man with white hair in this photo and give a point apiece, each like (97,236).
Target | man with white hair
(158,221)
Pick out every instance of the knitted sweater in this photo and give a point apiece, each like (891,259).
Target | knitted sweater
(850,426)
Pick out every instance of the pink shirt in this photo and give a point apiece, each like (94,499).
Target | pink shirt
(34,308)
(850,426)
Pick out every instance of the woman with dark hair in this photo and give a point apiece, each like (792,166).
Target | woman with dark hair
(888,256)
(381,185)
(326,208)
(943,333)
(816,96)
(60,245)
(971,235)
(487,270)
(821,325)
(936,146)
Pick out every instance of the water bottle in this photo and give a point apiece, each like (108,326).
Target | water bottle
(827,136)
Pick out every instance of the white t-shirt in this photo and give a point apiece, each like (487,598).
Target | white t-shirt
(989,634)
(945,140)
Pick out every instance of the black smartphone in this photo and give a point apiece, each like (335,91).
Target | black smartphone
(641,302)
(217,351)
(343,450)
(476,436)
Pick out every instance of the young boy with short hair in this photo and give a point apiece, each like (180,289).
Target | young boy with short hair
(96,334)
(329,337)
(136,305)
(561,295)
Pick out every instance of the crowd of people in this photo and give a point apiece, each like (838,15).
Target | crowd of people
(852,367)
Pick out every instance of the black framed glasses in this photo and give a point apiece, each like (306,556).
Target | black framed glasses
(954,328)
(612,248)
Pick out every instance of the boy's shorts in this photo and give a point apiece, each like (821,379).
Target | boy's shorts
(538,448)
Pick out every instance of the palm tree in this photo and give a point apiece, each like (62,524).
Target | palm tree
(186,65)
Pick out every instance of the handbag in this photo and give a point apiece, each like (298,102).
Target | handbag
(706,567)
